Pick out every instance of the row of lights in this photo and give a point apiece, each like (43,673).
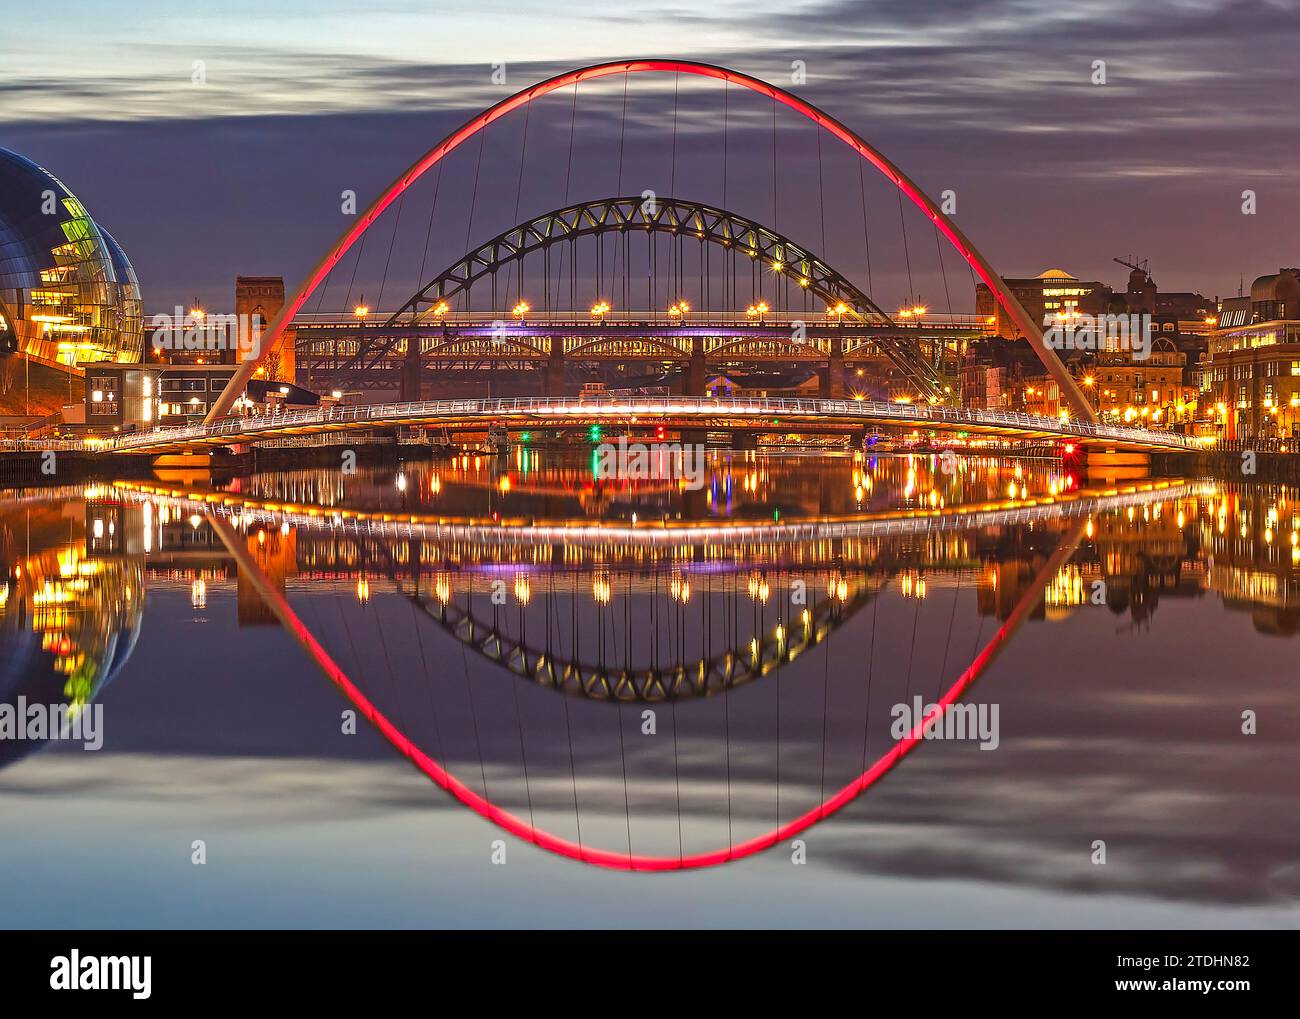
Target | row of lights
(678,309)
(362,310)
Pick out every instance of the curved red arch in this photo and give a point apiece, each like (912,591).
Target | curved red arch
(521,828)
(972,257)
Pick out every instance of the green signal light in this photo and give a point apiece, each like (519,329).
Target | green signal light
(594,433)
(525,436)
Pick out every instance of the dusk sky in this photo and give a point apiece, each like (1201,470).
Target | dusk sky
(992,99)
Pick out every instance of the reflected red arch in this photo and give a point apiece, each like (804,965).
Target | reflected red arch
(521,828)
(1031,330)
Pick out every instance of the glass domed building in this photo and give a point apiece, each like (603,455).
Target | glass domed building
(68,293)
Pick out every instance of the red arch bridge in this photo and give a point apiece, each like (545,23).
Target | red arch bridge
(715,286)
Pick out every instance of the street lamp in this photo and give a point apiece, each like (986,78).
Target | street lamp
(600,309)
(521,309)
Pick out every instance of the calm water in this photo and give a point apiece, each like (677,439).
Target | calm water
(705,674)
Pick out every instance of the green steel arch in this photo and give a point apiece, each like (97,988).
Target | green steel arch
(674,217)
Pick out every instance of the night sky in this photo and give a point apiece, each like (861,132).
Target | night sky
(992,99)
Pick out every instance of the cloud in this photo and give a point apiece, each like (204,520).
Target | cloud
(1197,106)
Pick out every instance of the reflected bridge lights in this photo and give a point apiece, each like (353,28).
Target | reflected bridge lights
(679,588)
(523,589)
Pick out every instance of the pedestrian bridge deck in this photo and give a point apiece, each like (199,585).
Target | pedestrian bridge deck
(751,413)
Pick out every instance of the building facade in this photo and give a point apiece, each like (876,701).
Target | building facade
(1049,295)
(1153,391)
(1250,379)
(122,396)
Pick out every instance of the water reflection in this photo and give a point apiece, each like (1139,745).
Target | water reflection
(512,654)
(737,487)
(71,604)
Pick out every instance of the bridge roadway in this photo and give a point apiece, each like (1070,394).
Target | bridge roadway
(756,414)
(670,331)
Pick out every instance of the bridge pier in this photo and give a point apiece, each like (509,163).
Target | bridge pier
(697,376)
(412,369)
(554,385)
(1111,464)
(833,384)
(695,504)
(697,373)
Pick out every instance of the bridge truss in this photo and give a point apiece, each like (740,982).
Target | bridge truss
(836,317)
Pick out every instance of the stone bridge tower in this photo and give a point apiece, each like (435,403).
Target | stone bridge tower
(258,299)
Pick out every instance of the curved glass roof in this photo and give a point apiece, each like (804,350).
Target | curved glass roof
(68,290)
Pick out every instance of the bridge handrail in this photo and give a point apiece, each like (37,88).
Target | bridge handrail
(24,445)
(491,408)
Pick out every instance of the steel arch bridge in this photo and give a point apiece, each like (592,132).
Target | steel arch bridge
(708,676)
(854,319)
(1073,395)
(673,216)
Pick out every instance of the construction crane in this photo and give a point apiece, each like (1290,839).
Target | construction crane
(1142,266)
